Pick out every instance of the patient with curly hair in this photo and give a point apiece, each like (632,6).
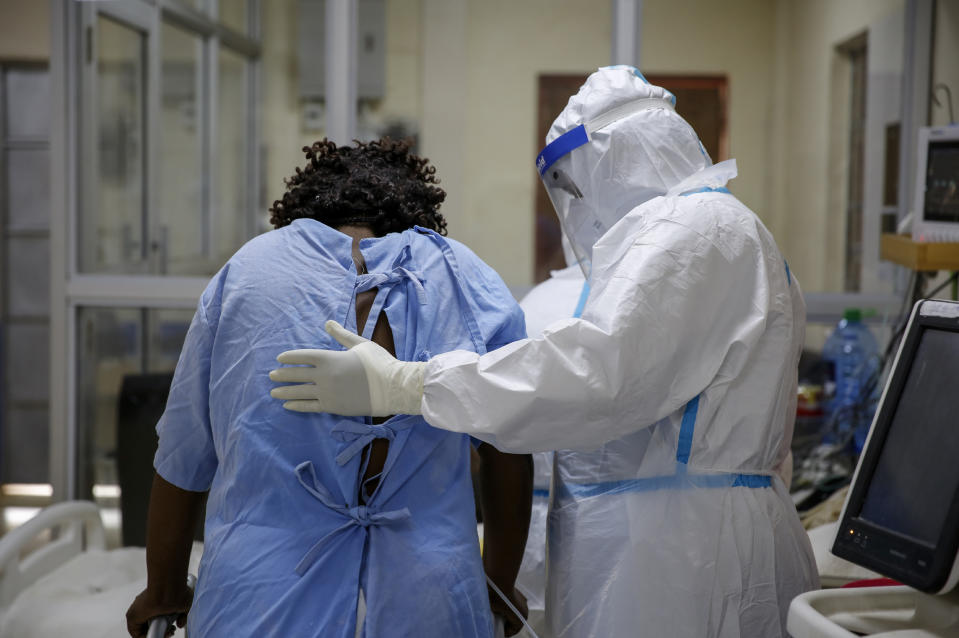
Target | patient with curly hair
(319,524)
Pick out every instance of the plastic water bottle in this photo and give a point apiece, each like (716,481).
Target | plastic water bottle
(853,357)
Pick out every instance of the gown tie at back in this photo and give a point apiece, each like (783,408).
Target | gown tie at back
(369,281)
(362,516)
(359,435)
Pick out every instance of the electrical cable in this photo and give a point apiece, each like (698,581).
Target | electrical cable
(939,288)
(512,608)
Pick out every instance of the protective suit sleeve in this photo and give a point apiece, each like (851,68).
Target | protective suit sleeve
(185,455)
(681,305)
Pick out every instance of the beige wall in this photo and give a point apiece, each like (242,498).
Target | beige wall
(486,148)
(734,38)
(485,142)
(25,30)
(505,57)
(807,221)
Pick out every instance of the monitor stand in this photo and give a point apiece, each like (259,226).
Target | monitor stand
(879,612)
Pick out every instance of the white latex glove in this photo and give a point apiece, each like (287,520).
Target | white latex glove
(364,380)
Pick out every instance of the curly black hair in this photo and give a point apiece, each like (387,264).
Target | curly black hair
(380,184)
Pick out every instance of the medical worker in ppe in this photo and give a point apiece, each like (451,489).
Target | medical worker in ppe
(684,363)
(310,514)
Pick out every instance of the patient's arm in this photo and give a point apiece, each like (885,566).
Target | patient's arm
(506,486)
(171,522)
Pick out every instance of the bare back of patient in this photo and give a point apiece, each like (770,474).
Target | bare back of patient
(382,335)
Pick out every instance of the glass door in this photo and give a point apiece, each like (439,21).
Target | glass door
(155,192)
(113,235)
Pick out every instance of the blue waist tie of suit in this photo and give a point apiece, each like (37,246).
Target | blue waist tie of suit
(678,481)
(362,516)
(682,478)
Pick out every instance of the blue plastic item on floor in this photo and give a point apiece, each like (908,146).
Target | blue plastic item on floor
(853,356)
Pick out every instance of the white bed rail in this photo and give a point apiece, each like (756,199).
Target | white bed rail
(74,527)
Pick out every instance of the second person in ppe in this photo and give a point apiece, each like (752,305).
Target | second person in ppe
(685,358)
(559,297)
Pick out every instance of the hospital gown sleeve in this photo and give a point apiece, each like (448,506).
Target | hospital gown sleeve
(677,309)
(512,328)
(186,456)
(498,315)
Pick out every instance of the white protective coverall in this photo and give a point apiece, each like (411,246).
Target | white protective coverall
(684,362)
(556,298)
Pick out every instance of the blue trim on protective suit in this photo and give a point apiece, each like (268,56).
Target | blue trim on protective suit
(541,493)
(669,482)
(789,276)
(706,189)
(583,296)
(685,444)
(559,147)
(630,68)
(682,479)
(753,480)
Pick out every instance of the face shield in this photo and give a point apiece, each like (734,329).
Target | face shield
(582,224)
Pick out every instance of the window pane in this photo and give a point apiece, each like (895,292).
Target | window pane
(126,361)
(112,233)
(26,446)
(27,275)
(27,362)
(233,14)
(181,146)
(27,103)
(28,179)
(232,156)
(167,330)
(110,350)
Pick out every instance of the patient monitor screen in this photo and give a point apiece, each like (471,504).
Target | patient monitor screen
(942,182)
(916,475)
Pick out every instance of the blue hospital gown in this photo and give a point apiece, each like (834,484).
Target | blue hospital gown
(287,544)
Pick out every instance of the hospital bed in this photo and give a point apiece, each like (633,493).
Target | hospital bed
(58,579)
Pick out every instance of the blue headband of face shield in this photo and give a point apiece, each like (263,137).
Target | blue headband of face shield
(571,140)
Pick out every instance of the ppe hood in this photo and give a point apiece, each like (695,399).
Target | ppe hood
(618,143)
